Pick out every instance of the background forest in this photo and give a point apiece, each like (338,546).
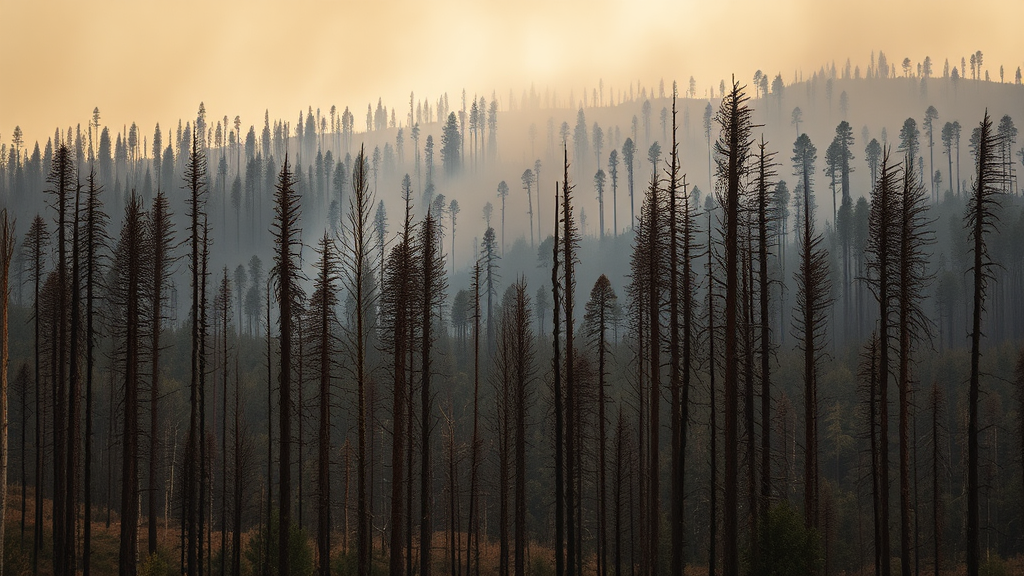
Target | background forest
(798,349)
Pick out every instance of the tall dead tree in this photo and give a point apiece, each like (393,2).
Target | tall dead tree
(358,274)
(675,368)
(937,407)
(766,236)
(712,406)
(222,312)
(524,375)
(287,275)
(914,238)
(433,293)
(35,243)
(882,252)
(556,369)
(813,300)
(474,455)
(195,182)
(324,329)
(63,181)
(599,311)
(6,255)
(731,153)
(131,257)
(398,309)
(982,221)
(161,235)
(95,238)
(570,241)
(74,389)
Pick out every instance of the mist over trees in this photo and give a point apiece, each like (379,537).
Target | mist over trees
(525,333)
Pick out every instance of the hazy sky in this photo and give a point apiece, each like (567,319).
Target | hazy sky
(148,61)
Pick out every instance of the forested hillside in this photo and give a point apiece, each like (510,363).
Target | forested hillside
(769,327)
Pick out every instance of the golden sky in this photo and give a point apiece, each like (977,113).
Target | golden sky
(148,61)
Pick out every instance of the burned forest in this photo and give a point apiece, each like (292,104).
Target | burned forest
(321,339)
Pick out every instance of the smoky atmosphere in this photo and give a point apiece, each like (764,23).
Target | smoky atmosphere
(576,288)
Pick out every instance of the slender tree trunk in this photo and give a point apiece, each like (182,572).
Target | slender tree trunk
(131,281)
(712,411)
(161,229)
(236,530)
(568,247)
(979,208)
(6,254)
(733,129)
(270,440)
(654,294)
(475,446)
(286,237)
(524,359)
(195,176)
(677,372)
(556,369)
(38,235)
(936,518)
(765,170)
(430,286)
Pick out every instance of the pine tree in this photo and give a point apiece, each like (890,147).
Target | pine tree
(6,255)
(981,222)
(357,280)
(34,245)
(914,238)
(882,254)
(766,234)
(287,275)
(810,325)
(570,241)
(161,234)
(398,306)
(195,181)
(599,311)
(131,264)
(95,238)
(323,323)
(433,294)
(732,151)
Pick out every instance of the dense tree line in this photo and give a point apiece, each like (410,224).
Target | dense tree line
(438,423)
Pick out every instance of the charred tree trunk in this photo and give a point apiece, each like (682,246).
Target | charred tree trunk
(35,244)
(475,442)
(712,412)
(884,207)
(161,236)
(766,172)
(732,151)
(569,241)
(132,247)
(323,304)
(286,236)
(236,510)
(195,177)
(358,269)
(981,221)
(432,295)
(936,406)
(6,255)
(556,369)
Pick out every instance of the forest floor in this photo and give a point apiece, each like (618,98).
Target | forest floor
(17,557)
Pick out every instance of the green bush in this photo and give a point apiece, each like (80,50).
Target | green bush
(994,566)
(300,552)
(16,557)
(155,565)
(794,549)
